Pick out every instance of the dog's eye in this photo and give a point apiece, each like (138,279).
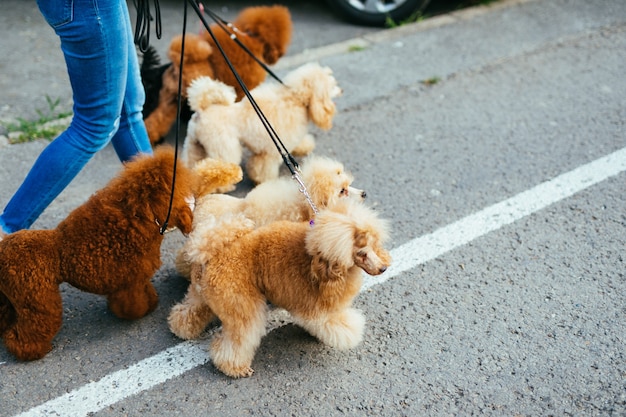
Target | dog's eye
(344,191)
(362,254)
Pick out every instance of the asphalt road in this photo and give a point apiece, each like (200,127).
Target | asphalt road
(505,185)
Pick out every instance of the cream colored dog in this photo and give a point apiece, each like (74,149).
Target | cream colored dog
(313,272)
(220,126)
(326,179)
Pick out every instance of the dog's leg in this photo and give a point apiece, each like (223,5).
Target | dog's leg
(160,121)
(341,330)
(189,318)
(7,313)
(183,266)
(263,167)
(30,336)
(193,150)
(305,147)
(134,302)
(243,326)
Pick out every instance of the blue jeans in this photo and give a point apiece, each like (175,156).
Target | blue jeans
(97,42)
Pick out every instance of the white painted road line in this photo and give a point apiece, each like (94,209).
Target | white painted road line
(185,356)
(461,232)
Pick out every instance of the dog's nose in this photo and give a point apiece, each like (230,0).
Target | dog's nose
(383,269)
(363,195)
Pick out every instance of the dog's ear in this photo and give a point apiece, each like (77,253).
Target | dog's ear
(321,107)
(324,271)
(184,220)
(331,239)
(271,54)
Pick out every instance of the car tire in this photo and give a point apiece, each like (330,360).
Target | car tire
(376,13)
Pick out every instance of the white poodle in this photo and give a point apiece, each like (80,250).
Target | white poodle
(219,125)
(326,179)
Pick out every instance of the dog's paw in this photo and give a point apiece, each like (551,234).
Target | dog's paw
(236,372)
(26,348)
(232,359)
(343,330)
(305,147)
(184,323)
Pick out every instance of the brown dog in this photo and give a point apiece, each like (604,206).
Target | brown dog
(313,272)
(264,30)
(110,245)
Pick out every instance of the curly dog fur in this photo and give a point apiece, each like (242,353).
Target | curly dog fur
(110,245)
(326,179)
(313,272)
(220,126)
(265,30)
(160,119)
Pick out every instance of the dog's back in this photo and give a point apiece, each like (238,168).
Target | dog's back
(273,261)
(25,253)
(278,199)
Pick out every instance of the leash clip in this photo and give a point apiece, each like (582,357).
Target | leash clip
(303,190)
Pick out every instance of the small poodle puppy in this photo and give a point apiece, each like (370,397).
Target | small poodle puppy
(326,179)
(312,271)
(265,30)
(110,245)
(220,126)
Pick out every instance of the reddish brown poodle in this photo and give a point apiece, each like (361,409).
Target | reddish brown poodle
(264,30)
(110,245)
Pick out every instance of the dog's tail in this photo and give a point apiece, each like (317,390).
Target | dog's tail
(212,174)
(215,235)
(204,92)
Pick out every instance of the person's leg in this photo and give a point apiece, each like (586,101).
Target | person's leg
(94,37)
(131,137)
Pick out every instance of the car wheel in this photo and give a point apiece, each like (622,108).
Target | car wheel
(376,12)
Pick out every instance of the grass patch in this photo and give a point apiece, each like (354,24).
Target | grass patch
(417,16)
(356,48)
(47,126)
(431,81)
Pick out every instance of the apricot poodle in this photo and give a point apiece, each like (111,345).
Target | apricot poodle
(160,111)
(313,272)
(265,30)
(110,245)
(326,179)
(220,126)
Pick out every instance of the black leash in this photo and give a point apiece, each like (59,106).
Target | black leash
(178,110)
(142,25)
(232,31)
(287,157)
(142,40)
